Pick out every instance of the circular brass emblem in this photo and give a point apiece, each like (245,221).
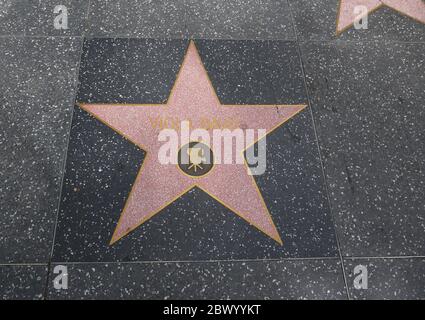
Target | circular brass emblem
(195,159)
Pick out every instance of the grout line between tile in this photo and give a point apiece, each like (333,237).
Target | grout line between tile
(196,261)
(335,41)
(63,169)
(383,258)
(38,36)
(291,39)
(214,261)
(76,85)
(23,264)
(320,157)
(325,182)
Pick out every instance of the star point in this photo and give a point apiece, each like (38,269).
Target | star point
(414,9)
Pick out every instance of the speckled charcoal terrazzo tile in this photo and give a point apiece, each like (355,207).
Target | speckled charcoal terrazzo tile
(22,282)
(217,19)
(41,16)
(239,19)
(368,101)
(12,17)
(135,18)
(104,61)
(100,181)
(307,279)
(317,20)
(37,81)
(389,279)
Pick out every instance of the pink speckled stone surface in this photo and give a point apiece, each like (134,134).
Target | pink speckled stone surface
(193,98)
(412,8)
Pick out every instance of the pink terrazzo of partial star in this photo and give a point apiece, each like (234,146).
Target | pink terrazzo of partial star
(412,8)
(193,98)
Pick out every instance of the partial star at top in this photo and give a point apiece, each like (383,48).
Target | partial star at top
(347,16)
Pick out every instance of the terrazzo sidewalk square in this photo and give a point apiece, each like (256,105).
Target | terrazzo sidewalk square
(308,279)
(134,18)
(102,165)
(317,20)
(209,19)
(22,282)
(239,19)
(37,88)
(388,279)
(37,17)
(368,103)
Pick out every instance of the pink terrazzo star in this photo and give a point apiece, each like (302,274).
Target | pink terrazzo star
(415,9)
(193,98)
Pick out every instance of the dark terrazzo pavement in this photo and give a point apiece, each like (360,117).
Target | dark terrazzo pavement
(372,142)
(37,80)
(366,94)
(23,282)
(308,279)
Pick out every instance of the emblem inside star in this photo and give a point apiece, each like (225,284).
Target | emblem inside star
(157,185)
(347,15)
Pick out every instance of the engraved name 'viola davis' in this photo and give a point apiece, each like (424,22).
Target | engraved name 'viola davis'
(197,150)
